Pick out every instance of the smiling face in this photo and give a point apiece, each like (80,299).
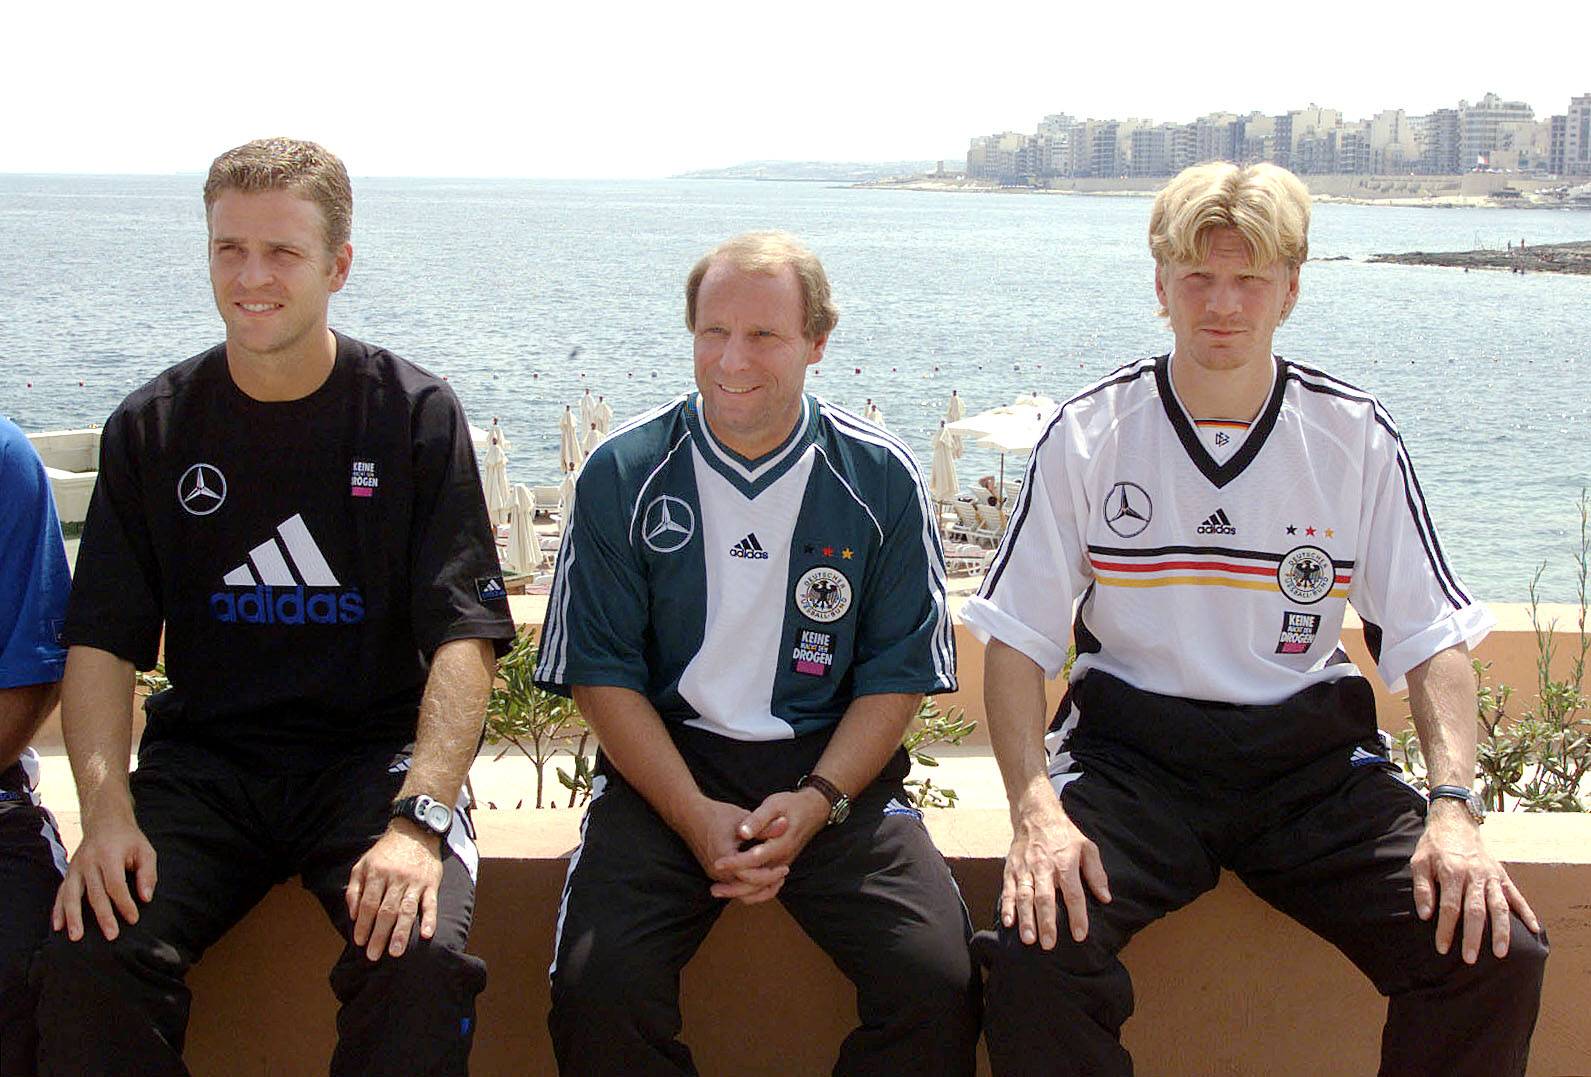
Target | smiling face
(272,274)
(1223,310)
(751,355)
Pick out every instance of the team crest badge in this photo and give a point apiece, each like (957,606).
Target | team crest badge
(823,594)
(1306,574)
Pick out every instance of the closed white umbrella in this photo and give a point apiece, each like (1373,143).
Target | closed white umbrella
(955,410)
(566,500)
(495,480)
(604,419)
(570,455)
(524,554)
(588,410)
(594,437)
(873,415)
(943,482)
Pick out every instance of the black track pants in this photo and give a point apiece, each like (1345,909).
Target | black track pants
(873,892)
(1172,792)
(31,858)
(223,836)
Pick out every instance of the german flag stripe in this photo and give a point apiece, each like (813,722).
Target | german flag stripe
(1203,581)
(1183,566)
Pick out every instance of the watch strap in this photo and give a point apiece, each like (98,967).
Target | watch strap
(839,803)
(1472,800)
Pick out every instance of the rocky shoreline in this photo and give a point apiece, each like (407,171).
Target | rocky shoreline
(1574,258)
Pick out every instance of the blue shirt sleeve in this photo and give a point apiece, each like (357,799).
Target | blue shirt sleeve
(34,579)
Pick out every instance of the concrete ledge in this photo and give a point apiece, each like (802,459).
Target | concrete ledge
(1226,986)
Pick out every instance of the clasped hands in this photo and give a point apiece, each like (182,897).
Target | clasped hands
(747,855)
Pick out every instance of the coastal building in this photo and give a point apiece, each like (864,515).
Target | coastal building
(1495,134)
(1256,138)
(994,157)
(1577,137)
(1557,147)
(1394,148)
(1162,150)
(1479,128)
(1439,150)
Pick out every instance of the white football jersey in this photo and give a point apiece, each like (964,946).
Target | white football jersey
(1220,575)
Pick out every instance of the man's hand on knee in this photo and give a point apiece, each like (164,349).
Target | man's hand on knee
(391,885)
(98,871)
(1049,856)
(1457,878)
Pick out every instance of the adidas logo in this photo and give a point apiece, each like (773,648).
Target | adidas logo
(749,548)
(1217,524)
(275,595)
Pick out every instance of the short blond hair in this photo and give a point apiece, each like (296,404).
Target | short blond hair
(1266,204)
(304,168)
(768,252)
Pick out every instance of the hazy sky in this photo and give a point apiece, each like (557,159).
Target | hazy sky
(594,89)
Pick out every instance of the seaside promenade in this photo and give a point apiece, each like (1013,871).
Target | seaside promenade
(1227,987)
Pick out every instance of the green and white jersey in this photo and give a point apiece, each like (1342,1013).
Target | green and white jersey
(751,598)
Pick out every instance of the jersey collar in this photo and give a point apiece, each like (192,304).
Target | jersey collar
(751,477)
(1220,474)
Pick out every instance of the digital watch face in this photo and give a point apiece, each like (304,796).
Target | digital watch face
(437,817)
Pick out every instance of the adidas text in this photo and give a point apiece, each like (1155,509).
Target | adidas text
(288,606)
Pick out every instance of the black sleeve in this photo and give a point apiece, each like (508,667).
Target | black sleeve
(115,603)
(455,581)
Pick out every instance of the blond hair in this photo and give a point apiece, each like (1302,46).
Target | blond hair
(768,252)
(1266,204)
(307,169)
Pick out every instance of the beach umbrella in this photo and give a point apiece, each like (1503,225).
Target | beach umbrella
(873,415)
(604,419)
(943,483)
(1013,427)
(499,499)
(570,455)
(588,410)
(566,500)
(594,437)
(953,411)
(524,553)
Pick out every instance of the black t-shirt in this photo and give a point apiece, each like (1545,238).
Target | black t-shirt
(305,557)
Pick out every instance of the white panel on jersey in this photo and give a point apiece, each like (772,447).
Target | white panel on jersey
(268,563)
(730,680)
(239,577)
(306,555)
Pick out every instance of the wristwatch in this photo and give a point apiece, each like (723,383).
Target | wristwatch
(839,803)
(430,813)
(1472,800)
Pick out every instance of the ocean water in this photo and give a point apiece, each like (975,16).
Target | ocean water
(496,283)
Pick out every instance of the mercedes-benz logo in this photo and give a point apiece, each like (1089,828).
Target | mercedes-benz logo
(668,524)
(1128,509)
(202,489)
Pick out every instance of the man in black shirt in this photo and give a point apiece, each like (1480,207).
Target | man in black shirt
(301,514)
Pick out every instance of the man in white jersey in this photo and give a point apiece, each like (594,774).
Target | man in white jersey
(748,607)
(1210,514)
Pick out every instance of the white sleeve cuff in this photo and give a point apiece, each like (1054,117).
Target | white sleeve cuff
(1468,626)
(987,620)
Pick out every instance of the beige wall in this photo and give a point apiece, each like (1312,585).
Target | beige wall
(1226,986)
